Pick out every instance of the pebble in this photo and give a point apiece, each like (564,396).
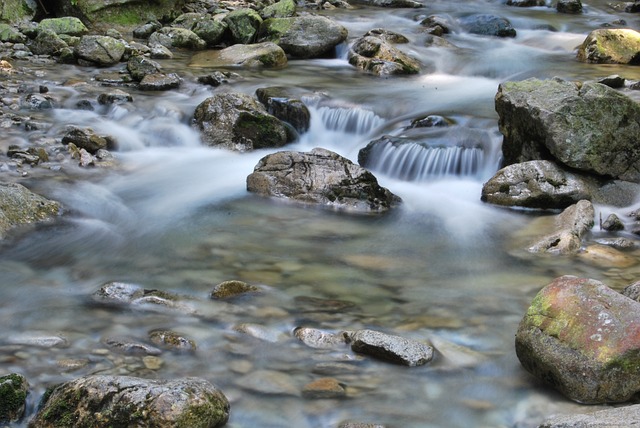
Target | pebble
(326,387)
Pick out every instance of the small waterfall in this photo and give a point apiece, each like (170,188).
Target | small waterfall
(354,120)
(412,161)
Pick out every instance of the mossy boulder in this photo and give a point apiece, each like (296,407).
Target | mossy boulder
(243,25)
(177,37)
(611,46)
(9,33)
(582,338)
(18,205)
(374,55)
(281,9)
(256,55)
(212,31)
(588,127)
(236,121)
(13,396)
(129,401)
(47,42)
(14,11)
(99,50)
(69,25)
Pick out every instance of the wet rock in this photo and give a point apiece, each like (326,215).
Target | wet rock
(160,82)
(86,138)
(632,291)
(139,66)
(68,25)
(307,36)
(591,128)
(281,9)
(146,30)
(375,56)
(217,78)
(569,6)
(387,36)
(536,184)
(231,289)
(267,55)
(124,294)
(37,102)
(259,332)
(437,25)
(157,51)
(130,13)
(177,38)
(269,382)
(18,205)
(611,46)
(391,348)
(114,96)
(326,387)
(320,177)
(11,34)
(13,397)
(285,107)
(429,122)
(243,25)
(619,243)
(526,3)
(615,417)
(606,257)
(392,3)
(100,50)
(487,25)
(315,304)
(130,346)
(570,227)
(582,338)
(612,223)
(614,81)
(187,20)
(130,401)
(360,425)
(236,121)
(320,339)
(171,340)
(212,31)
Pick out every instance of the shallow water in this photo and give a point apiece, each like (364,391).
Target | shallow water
(444,268)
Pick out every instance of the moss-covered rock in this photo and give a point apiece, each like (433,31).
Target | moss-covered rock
(229,289)
(373,55)
(69,25)
(18,205)
(243,25)
(9,33)
(582,338)
(211,31)
(13,396)
(100,50)
(611,46)
(14,11)
(127,401)
(281,9)
(177,37)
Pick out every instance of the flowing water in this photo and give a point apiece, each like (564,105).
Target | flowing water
(444,268)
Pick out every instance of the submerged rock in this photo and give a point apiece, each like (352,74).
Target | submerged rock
(378,57)
(570,227)
(160,82)
(611,46)
(230,289)
(18,205)
(326,387)
(236,121)
(320,177)
(130,401)
(13,397)
(592,127)
(395,349)
(582,338)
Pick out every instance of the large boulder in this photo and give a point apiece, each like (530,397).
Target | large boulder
(129,401)
(237,121)
(19,205)
(582,338)
(592,127)
(258,55)
(212,31)
(374,55)
(306,36)
(569,228)
(68,25)
(47,42)
(13,397)
(18,10)
(243,25)
(176,37)
(320,177)
(611,46)
(281,9)
(100,50)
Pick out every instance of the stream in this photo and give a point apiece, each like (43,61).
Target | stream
(443,268)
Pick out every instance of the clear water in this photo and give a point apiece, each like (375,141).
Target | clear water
(175,216)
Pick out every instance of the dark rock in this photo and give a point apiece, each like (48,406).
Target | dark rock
(526,3)
(11,34)
(582,338)
(391,3)
(211,31)
(100,50)
(139,66)
(569,6)
(13,397)
(258,55)
(187,20)
(129,401)
(437,25)
(130,346)
(47,42)
(243,25)
(217,78)
(429,122)
(115,96)
(632,291)
(387,36)
(171,340)
(612,223)
(614,81)
(146,30)
(236,121)
(373,55)
(289,109)
(592,128)
(230,289)
(320,177)
(395,349)
(87,139)
(18,205)
(487,25)
(160,82)
(611,46)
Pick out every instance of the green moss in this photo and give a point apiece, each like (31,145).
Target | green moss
(262,129)
(13,394)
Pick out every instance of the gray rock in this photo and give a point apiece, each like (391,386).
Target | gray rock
(124,294)
(612,223)
(526,3)
(139,66)
(100,50)
(632,291)
(281,9)
(320,177)
(308,36)
(387,36)
(378,57)
(569,6)
(320,339)
(536,184)
(157,51)
(611,46)
(619,417)
(614,81)
(160,82)
(236,121)
(280,103)
(187,20)
(231,289)
(243,25)
(18,205)
(130,346)
(37,102)
(69,25)
(269,382)
(217,78)
(392,3)
(258,55)
(619,243)
(115,96)
(570,227)
(487,25)
(171,340)
(177,38)
(16,11)
(86,138)
(395,349)
(13,397)
(10,34)
(129,401)
(437,25)
(581,337)
(592,128)
(146,30)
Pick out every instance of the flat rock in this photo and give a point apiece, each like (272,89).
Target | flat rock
(391,348)
(258,55)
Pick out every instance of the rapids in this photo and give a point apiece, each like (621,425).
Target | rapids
(175,216)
